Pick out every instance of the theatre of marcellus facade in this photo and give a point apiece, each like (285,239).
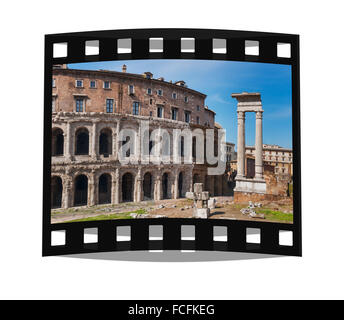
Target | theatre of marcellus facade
(90,107)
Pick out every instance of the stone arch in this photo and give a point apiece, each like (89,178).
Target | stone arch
(80,190)
(104,188)
(82,141)
(56,192)
(105,141)
(181,185)
(128,187)
(147,186)
(166,185)
(57,142)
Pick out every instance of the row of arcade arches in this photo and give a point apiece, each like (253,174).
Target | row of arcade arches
(81,142)
(80,188)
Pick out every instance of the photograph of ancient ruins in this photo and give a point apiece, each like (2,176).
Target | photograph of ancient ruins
(213,143)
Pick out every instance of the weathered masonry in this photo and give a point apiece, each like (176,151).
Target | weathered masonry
(90,108)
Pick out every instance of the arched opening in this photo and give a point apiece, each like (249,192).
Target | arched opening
(194,147)
(147,186)
(165,193)
(180,185)
(56,192)
(81,142)
(127,187)
(105,142)
(104,189)
(182,146)
(80,190)
(57,142)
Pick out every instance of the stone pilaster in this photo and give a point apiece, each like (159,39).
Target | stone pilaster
(157,188)
(117,138)
(175,194)
(259,146)
(139,190)
(68,142)
(92,199)
(94,141)
(67,192)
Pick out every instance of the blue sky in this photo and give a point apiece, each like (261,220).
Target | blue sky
(218,80)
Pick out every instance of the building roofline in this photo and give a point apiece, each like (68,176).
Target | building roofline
(129,76)
(270,148)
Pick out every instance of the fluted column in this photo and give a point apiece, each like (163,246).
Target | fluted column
(241,145)
(259,146)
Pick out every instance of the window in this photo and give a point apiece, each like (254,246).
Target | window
(159,92)
(131,89)
(150,101)
(174,113)
(197,120)
(198,108)
(160,111)
(54,83)
(92,84)
(186,99)
(187,116)
(79,105)
(109,105)
(53,104)
(106,84)
(79,83)
(136,107)
(149,91)
(151,113)
(174,95)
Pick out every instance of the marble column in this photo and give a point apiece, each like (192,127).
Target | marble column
(241,145)
(259,146)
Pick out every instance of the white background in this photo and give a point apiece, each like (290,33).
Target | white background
(25,274)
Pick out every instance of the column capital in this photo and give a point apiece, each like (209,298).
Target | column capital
(241,114)
(259,114)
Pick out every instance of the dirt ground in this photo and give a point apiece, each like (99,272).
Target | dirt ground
(277,211)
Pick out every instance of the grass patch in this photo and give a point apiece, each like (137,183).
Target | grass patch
(276,215)
(123,215)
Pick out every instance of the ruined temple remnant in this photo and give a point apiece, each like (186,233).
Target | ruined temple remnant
(249,102)
(200,198)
